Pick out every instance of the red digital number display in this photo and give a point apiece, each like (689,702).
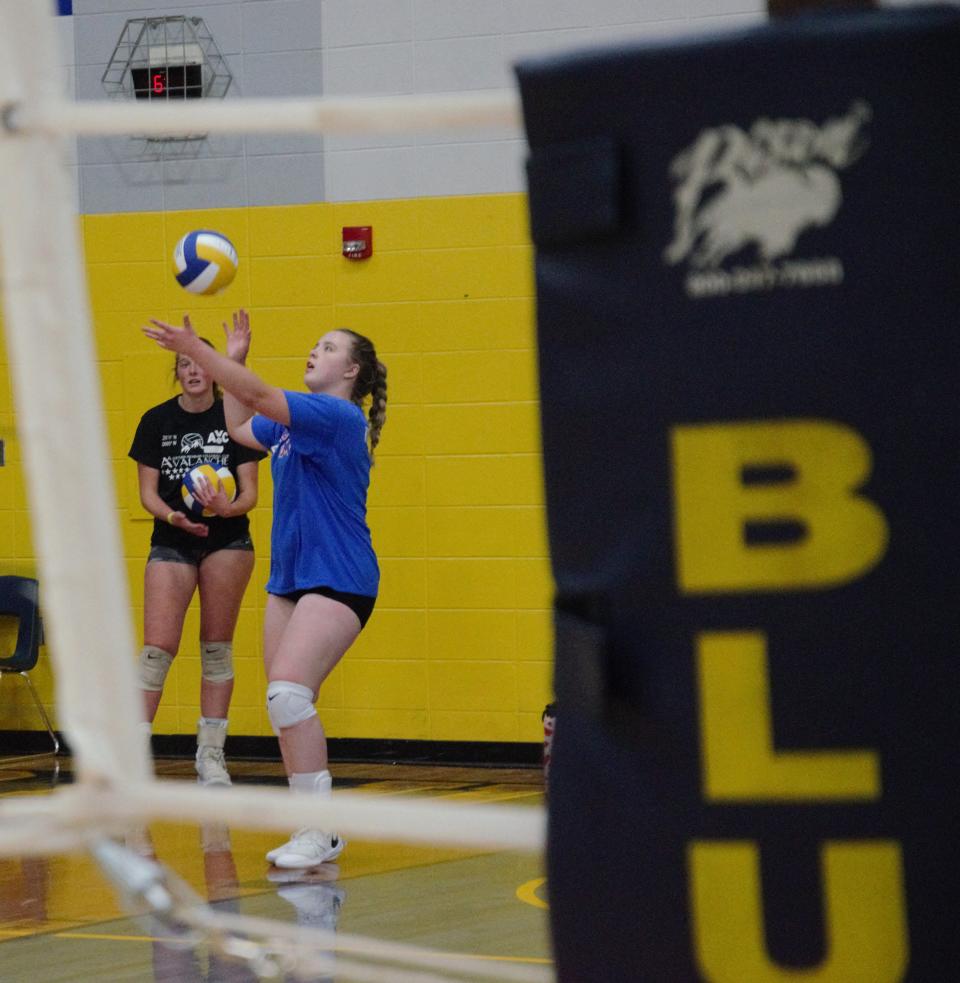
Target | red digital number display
(167,82)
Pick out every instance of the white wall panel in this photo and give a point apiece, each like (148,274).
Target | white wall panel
(375,69)
(364,175)
(282,25)
(638,11)
(434,19)
(353,22)
(285,179)
(454,64)
(362,48)
(470,168)
(533,44)
(547,15)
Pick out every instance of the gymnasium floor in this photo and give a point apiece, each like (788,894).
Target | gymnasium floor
(61,921)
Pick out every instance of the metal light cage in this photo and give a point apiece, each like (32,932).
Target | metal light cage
(149,46)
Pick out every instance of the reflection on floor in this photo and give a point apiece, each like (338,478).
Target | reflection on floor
(60,919)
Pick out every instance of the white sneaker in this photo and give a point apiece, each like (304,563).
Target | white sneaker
(211,767)
(277,850)
(307,848)
(284,847)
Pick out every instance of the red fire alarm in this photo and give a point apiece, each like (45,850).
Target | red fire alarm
(357,241)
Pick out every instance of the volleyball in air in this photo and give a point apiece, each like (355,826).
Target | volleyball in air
(211,473)
(204,262)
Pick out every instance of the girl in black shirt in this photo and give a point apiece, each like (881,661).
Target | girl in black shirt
(187,552)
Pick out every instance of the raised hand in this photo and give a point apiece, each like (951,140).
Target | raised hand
(171,338)
(238,337)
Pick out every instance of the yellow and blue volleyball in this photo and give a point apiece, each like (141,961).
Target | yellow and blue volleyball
(204,262)
(211,473)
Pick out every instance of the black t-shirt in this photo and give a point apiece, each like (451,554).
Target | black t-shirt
(173,441)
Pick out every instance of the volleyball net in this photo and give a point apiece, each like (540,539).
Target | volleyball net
(59,417)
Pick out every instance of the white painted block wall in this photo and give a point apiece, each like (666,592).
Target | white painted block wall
(354,47)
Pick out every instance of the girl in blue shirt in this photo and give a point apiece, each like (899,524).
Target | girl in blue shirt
(323,570)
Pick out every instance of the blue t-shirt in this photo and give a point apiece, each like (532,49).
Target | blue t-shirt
(321,472)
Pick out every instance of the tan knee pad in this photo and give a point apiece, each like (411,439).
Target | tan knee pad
(216,661)
(154,666)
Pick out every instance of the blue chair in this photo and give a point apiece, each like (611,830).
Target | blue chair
(19,598)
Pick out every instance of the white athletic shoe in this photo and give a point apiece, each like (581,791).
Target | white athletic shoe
(277,850)
(307,848)
(211,767)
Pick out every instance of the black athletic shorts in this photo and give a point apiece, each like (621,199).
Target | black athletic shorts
(360,604)
(196,554)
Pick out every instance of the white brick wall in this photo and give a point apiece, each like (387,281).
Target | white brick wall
(382,47)
(355,47)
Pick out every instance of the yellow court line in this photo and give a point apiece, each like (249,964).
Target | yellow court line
(538,960)
(440,792)
(527,893)
(105,937)
(46,934)
(37,930)
(412,790)
(479,796)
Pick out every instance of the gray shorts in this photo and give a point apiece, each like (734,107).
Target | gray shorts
(197,554)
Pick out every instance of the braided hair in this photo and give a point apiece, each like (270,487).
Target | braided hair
(371,381)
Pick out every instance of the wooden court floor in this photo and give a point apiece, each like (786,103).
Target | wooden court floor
(61,921)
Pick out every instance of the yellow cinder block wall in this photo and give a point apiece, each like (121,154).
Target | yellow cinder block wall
(460,645)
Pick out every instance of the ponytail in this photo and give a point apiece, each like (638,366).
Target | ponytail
(371,381)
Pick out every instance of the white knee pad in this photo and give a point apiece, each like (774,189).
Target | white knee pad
(216,661)
(312,783)
(289,704)
(154,666)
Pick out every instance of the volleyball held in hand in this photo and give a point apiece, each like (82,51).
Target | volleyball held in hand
(211,473)
(204,262)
